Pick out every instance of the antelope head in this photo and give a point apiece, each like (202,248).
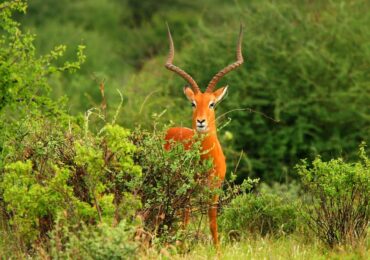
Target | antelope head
(204,103)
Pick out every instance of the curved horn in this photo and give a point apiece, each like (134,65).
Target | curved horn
(239,61)
(169,65)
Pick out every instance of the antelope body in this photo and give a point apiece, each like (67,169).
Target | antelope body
(204,122)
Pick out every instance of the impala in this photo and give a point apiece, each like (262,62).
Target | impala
(204,122)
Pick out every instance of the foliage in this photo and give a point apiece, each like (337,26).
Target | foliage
(100,242)
(23,73)
(24,85)
(51,168)
(340,212)
(173,180)
(291,191)
(259,214)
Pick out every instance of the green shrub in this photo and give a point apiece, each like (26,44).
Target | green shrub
(172,181)
(259,214)
(24,75)
(339,213)
(291,191)
(53,168)
(94,242)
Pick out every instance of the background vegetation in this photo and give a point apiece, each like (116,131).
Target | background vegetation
(82,123)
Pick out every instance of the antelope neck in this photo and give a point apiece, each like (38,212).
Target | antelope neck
(210,141)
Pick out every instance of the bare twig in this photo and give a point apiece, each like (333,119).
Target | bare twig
(146,99)
(240,158)
(251,111)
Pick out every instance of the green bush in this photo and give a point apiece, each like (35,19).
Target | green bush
(57,169)
(339,213)
(24,74)
(99,242)
(172,181)
(259,214)
(291,191)
(51,168)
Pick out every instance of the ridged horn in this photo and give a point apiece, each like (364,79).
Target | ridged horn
(169,65)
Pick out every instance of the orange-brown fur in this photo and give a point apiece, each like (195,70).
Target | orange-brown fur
(210,145)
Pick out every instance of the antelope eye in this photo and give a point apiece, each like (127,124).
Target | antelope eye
(212,105)
(193,104)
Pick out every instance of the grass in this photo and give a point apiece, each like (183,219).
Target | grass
(288,247)
(295,246)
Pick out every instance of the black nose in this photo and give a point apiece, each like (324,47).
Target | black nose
(201,121)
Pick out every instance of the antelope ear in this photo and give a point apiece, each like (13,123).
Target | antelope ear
(220,93)
(189,93)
